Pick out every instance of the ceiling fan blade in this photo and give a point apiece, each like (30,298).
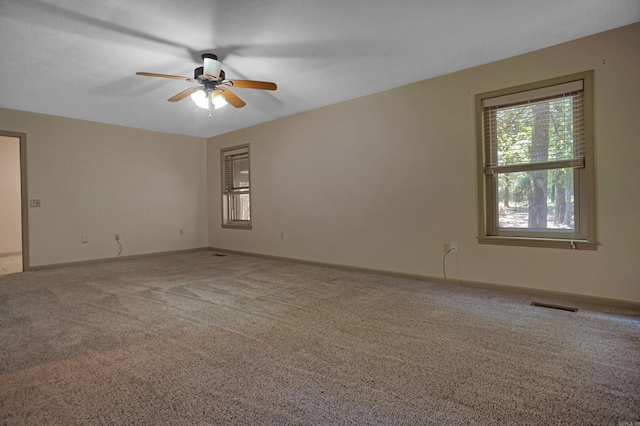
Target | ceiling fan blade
(151,74)
(251,84)
(232,98)
(180,96)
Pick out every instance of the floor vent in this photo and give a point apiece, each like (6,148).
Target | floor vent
(547,305)
(219,254)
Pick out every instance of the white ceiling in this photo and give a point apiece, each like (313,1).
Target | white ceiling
(78,58)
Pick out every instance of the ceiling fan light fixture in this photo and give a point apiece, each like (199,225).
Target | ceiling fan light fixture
(214,88)
(217,99)
(200,98)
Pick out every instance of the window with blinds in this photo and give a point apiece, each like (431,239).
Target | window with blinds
(535,168)
(536,129)
(236,187)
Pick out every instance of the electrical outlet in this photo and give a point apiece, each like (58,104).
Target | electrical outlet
(117,237)
(85,239)
(450,248)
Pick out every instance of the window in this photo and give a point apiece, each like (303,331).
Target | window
(535,145)
(236,188)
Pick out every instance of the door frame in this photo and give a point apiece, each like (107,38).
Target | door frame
(24,196)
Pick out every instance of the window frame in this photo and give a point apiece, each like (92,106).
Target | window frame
(228,218)
(584,235)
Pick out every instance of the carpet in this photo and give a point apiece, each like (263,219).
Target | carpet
(197,338)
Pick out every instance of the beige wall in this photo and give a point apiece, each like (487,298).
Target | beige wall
(383,181)
(10,222)
(98,180)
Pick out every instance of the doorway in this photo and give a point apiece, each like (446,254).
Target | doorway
(12,203)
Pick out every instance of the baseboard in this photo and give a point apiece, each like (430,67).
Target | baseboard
(114,259)
(577,298)
(15,253)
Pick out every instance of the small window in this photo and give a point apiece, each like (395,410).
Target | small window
(536,154)
(236,187)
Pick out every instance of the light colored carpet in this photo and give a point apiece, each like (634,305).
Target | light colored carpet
(201,339)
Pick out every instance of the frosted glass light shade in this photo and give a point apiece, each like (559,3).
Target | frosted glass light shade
(200,99)
(217,99)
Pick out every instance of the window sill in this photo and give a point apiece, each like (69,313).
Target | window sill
(540,242)
(237,226)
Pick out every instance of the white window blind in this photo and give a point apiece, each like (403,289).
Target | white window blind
(534,130)
(236,173)
(236,188)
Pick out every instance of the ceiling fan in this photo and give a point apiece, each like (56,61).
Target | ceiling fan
(212,88)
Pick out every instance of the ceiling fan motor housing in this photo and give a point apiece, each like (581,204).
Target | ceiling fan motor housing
(199,72)
(212,67)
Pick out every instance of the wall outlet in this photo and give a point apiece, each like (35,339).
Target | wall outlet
(34,203)
(450,248)
(85,239)
(117,237)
